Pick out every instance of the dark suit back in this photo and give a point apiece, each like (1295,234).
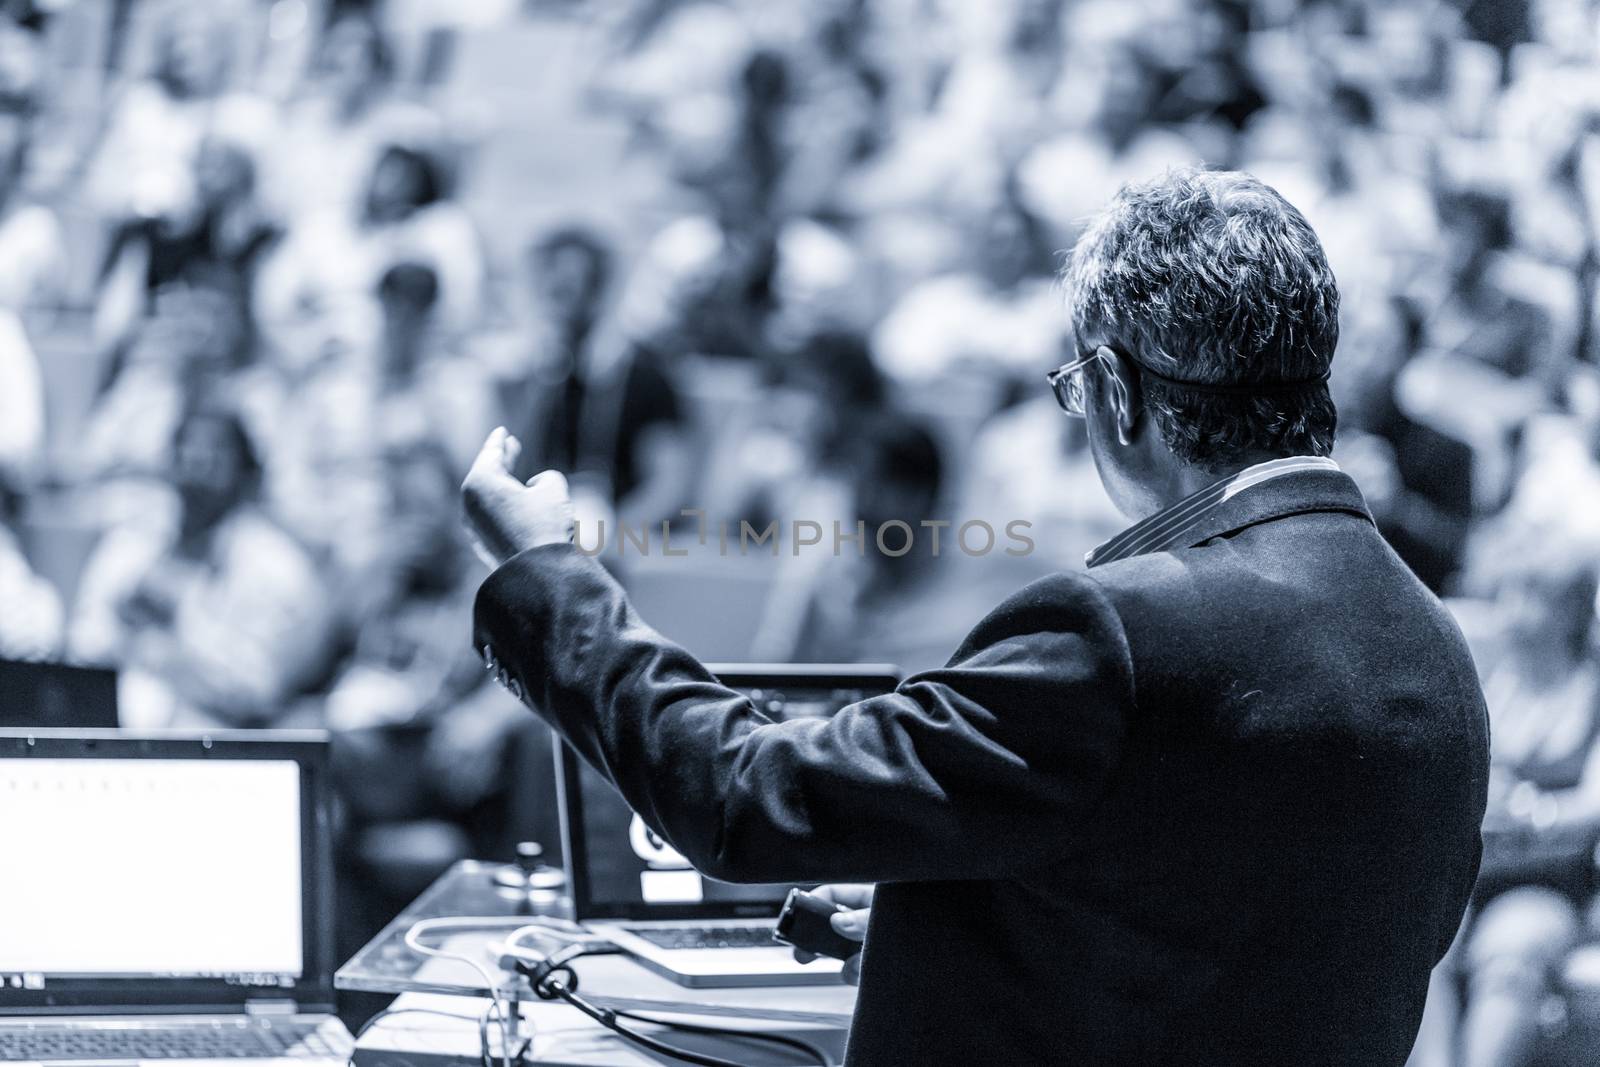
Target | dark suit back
(1217,805)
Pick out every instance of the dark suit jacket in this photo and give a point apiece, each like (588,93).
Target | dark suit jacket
(1217,805)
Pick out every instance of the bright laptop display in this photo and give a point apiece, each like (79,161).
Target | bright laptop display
(162,872)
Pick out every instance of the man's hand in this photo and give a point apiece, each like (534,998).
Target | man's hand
(505,517)
(851,924)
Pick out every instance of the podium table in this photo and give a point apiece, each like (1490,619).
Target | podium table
(435,1020)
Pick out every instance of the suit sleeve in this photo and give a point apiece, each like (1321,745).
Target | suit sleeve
(981,769)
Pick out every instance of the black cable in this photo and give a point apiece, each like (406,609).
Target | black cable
(608,1018)
(816,1052)
(555,978)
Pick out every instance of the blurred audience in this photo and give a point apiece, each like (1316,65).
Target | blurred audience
(1541,679)
(253,324)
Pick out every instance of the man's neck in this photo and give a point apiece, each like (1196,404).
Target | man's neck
(1181,480)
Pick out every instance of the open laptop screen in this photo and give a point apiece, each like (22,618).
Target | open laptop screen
(621,869)
(129,867)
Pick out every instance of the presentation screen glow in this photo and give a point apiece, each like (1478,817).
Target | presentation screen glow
(174,868)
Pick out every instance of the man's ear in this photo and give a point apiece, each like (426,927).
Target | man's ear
(1123,383)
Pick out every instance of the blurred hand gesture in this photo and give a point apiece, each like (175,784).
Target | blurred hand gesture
(506,517)
(851,923)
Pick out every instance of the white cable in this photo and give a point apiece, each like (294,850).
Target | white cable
(562,930)
(555,930)
(413,940)
(483,1036)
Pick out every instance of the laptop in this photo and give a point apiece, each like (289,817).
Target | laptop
(630,887)
(166,898)
(56,694)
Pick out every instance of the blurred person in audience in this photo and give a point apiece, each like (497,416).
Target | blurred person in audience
(990,100)
(1203,66)
(405,667)
(650,47)
(1541,676)
(331,262)
(811,108)
(425,389)
(1475,316)
(839,106)
(409,213)
(572,269)
(822,283)
(172,171)
(725,137)
(1486,353)
(32,270)
(31,623)
(315,413)
(33,254)
(1558,454)
(721,129)
(195,339)
(1411,46)
(1417,479)
(30,607)
(143,165)
(1550,94)
(892,606)
(570,276)
(389,375)
(215,613)
(215,240)
(1107,134)
(23,63)
(334,129)
(673,76)
(998,310)
(747,183)
(791,456)
(22,401)
(607,409)
(705,287)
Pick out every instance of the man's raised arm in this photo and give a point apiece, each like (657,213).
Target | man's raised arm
(980,769)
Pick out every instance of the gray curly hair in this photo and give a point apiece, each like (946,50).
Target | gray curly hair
(1213,277)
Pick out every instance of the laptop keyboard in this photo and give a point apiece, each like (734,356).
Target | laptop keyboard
(193,1041)
(705,936)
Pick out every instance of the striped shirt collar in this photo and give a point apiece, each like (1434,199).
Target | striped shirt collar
(1167,528)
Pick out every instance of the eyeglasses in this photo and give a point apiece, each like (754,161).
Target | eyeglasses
(1066,381)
